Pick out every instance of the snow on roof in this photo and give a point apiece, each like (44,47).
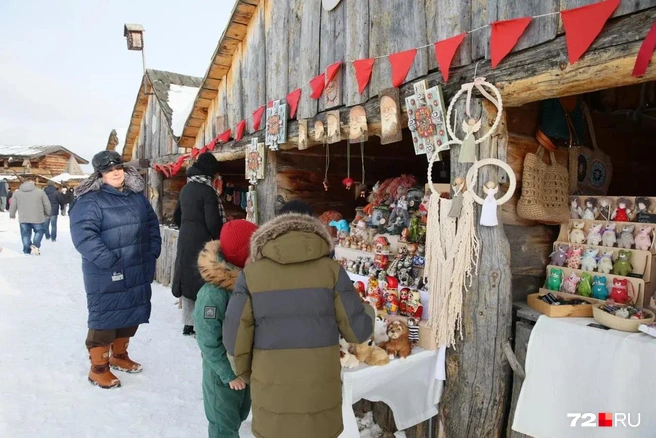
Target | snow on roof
(9,177)
(181,101)
(67,177)
(22,150)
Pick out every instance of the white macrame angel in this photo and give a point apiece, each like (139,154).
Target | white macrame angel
(489,211)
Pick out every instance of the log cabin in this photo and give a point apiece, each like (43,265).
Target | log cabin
(44,162)
(272,47)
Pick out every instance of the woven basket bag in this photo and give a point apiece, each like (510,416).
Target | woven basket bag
(545,190)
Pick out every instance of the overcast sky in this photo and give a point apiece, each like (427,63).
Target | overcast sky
(66,76)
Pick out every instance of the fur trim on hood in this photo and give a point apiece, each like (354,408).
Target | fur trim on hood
(284,224)
(214,269)
(133,182)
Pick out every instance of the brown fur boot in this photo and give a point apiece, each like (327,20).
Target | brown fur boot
(120,360)
(100,375)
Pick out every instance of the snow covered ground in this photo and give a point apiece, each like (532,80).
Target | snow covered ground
(44,364)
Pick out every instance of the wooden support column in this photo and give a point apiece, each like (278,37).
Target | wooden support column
(478,374)
(155,191)
(267,190)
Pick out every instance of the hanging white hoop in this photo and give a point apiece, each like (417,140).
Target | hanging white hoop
(497,120)
(431,160)
(472,175)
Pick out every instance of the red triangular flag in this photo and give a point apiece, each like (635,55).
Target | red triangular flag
(212,145)
(292,100)
(241,126)
(203,150)
(401,63)
(194,152)
(644,54)
(257,118)
(224,137)
(445,50)
(582,25)
(317,85)
(270,104)
(363,68)
(504,37)
(166,170)
(332,70)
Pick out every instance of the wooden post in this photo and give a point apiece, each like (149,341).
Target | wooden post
(267,190)
(155,191)
(478,374)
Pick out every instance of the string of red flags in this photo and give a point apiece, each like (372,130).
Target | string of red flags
(582,26)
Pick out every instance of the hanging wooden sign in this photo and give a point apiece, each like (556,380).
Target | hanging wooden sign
(319,131)
(426,118)
(302,134)
(358,124)
(276,125)
(255,161)
(333,129)
(251,205)
(390,125)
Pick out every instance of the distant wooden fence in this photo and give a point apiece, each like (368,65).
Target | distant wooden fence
(166,261)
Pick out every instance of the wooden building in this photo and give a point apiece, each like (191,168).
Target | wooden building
(44,162)
(272,47)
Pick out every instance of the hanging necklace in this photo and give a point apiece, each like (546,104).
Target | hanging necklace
(362,187)
(348,181)
(325,178)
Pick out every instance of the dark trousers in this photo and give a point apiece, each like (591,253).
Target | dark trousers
(26,236)
(51,227)
(102,338)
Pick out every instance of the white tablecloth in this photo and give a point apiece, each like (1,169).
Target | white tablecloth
(573,368)
(407,386)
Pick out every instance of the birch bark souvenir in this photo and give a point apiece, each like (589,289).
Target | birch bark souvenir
(334,133)
(452,250)
(426,118)
(358,124)
(255,165)
(469,125)
(276,125)
(390,125)
(490,204)
(302,134)
(319,131)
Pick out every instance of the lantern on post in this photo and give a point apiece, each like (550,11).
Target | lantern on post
(134,36)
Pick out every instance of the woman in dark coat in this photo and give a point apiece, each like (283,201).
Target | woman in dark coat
(116,230)
(200,216)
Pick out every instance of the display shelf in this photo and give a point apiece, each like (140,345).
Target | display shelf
(640,260)
(614,199)
(638,284)
(563,236)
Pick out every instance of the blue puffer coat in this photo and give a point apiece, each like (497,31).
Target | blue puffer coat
(117,233)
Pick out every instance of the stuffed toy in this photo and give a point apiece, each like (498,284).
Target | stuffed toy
(622,212)
(345,357)
(643,239)
(609,238)
(619,292)
(576,234)
(585,285)
(599,289)
(570,283)
(589,262)
(574,257)
(575,210)
(559,256)
(370,354)
(594,235)
(380,331)
(399,340)
(605,264)
(605,209)
(555,279)
(591,210)
(623,266)
(626,239)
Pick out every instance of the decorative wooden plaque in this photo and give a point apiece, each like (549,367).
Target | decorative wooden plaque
(255,161)
(358,124)
(426,118)
(333,129)
(390,111)
(276,125)
(302,134)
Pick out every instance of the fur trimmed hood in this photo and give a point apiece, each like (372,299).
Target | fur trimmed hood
(133,182)
(291,238)
(214,269)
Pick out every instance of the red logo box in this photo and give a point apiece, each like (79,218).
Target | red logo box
(605,419)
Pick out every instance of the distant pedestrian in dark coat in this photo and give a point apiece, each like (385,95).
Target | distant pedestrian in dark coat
(116,230)
(200,216)
(4,192)
(56,201)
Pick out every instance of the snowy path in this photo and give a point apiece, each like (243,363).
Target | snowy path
(44,364)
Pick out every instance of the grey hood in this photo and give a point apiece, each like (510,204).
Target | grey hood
(27,186)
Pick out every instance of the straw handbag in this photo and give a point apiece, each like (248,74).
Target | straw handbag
(545,190)
(590,169)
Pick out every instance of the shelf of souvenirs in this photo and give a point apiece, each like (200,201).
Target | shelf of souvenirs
(638,209)
(641,261)
(600,285)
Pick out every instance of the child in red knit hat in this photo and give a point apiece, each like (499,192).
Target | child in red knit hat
(226,397)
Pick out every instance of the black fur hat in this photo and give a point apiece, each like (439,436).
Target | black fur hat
(207,164)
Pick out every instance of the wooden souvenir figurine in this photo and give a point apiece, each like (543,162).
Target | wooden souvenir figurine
(458,188)
(255,161)
(358,124)
(319,131)
(413,330)
(334,132)
(390,111)
(622,212)
(302,134)
(489,213)
(468,150)
(426,118)
(404,295)
(414,307)
(276,125)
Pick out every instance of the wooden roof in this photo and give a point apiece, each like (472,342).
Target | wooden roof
(220,64)
(33,152)
(112,141)
(157,83)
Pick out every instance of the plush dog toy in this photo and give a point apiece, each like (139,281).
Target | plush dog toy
(399,340)
(347,359)
(370,354)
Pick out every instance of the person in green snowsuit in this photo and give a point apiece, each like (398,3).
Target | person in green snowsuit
(226,397)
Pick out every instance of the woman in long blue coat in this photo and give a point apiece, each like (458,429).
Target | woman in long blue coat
(116,231)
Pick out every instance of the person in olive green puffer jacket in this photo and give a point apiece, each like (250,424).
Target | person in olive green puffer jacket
(282,328)
(226,397)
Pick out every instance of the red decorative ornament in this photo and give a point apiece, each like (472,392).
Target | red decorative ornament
(445,51)
(401,63)
(644,54)
(257,118)
(348,183)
